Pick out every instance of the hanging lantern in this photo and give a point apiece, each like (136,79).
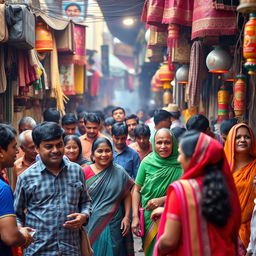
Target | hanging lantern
(182,74)
(218,60)
(43,38)
(223,103)
(166,75)
(249,47)
(247,6)
(240,96)
(158,83)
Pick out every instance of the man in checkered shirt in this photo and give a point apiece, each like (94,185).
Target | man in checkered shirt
(53,192)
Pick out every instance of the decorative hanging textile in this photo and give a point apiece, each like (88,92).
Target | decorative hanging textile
(210,22)
(56,91)
(79,79)
(195,76)
(3,81)
(178,12)
(79,57)
(152,12)
(228,5)
(67,79)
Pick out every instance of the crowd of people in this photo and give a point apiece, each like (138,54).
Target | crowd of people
(183,188)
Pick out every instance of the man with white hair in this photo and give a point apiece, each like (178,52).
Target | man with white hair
(28,147)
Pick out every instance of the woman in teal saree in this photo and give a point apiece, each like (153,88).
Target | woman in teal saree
(109,187)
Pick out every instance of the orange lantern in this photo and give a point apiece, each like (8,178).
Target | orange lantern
(240,96)
(249,47)
(166,75)
(43,38)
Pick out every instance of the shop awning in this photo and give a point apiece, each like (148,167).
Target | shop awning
(114,12)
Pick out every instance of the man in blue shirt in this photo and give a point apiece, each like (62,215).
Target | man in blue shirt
(53,191)
(10,235)
(123,155)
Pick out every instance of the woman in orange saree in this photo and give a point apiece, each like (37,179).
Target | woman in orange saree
(240,150)
(202,213)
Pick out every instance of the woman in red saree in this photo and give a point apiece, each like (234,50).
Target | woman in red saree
(202,212)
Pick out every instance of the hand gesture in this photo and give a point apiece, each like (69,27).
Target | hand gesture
(76,223)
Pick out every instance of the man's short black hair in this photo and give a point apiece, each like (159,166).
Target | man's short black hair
(7,134)
(91,117)
(175,115)
(117,108)
(82,115)
(100,114)
(73,4)
(109,121)
(46,131)
(142,130)
(51,115)
(161,115)
(119,129)
(226,125)
(178,132)
(69,118)
(198,123)
(132,116)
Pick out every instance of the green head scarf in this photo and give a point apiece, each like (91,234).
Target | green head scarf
(159,162)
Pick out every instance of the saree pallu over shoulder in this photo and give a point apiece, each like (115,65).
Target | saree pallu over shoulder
(195,235)
(244,183)
(107,189)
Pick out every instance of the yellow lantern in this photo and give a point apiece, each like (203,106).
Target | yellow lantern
(166,75)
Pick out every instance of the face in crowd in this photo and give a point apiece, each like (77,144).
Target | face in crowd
(102,155)
(243,141)
(92,129)
(143,141)
(71,150)
(51,152)
(131,125)
(69,128)
(120,141)
(119,115)
(163,143)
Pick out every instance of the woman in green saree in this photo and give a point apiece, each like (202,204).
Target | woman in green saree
(109,186)
(156,172)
